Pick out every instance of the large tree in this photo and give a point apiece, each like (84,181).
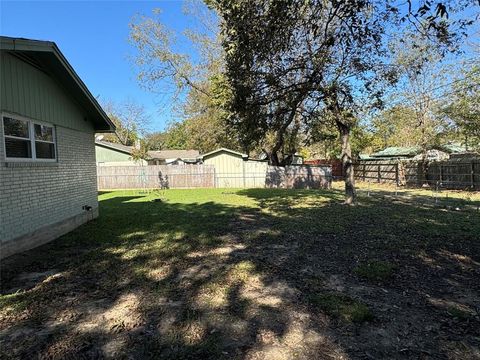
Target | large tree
(401,125)
(291,64)
(464,107)
(193,79)
(130,119)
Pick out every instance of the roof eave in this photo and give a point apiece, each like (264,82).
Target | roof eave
(113,148)
(28,45)
(244,156)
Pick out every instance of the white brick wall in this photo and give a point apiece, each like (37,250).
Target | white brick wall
(35,195)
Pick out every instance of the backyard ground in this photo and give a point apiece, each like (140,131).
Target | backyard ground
(251,274)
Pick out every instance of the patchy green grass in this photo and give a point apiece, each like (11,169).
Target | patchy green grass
(247,273)
(14,303)
(455,199)
(375,270)
(342,306)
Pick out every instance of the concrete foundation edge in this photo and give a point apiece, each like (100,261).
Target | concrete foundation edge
(45,234)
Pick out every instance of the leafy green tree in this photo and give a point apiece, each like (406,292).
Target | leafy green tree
(176,136)
(306,67)
(140,151)
(290,64)
(464,107)
(156,140)
(423,75)
(198,83)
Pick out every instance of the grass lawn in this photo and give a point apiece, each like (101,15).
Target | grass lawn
(250,274)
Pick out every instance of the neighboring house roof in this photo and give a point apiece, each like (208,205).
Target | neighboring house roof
(398,152)
(153,155)
(365,157)
(245,156)
(452,148)
(410,151)
(174,154)
(47,57)
(114,146)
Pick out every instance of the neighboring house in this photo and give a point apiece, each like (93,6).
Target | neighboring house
(234,169)
(173,157)
(113,154)
(47,153)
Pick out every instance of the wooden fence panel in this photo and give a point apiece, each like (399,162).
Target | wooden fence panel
(381,171)
(155,176)
(299,177)
(451,174)
(257,174)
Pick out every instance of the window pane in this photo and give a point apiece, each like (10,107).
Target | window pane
(45,150)
(17,148)
(15,127)
(43,132)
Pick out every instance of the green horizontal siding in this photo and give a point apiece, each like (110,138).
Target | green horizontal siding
(32,93)
(108,155)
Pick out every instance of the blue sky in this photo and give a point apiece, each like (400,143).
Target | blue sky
(93,35)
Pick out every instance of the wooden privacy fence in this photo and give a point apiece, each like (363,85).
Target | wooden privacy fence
(336,164)
(449,174)
(155,177)
(299,177)
(381,172)
(207,176)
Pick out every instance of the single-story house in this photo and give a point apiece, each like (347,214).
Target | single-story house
(113,154)
(47,151)
(173,157)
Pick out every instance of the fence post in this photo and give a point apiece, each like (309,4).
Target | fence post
(364,171)
(244,175)
(379,174)
(472,174)
(396,174)
(441,172)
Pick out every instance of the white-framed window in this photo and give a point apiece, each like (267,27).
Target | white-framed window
(28,140)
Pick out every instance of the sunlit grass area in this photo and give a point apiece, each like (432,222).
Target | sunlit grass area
(247,274)
(442,194)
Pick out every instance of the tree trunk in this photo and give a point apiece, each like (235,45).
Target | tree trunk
(347,164)
(280,141)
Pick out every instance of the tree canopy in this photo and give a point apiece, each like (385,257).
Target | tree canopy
(279,77)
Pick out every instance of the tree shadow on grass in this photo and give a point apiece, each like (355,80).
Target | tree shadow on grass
(169,280)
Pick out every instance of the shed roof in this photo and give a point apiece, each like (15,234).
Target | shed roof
(174,154)
(47,57)
(409,151)
(245,156)
(397,151)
